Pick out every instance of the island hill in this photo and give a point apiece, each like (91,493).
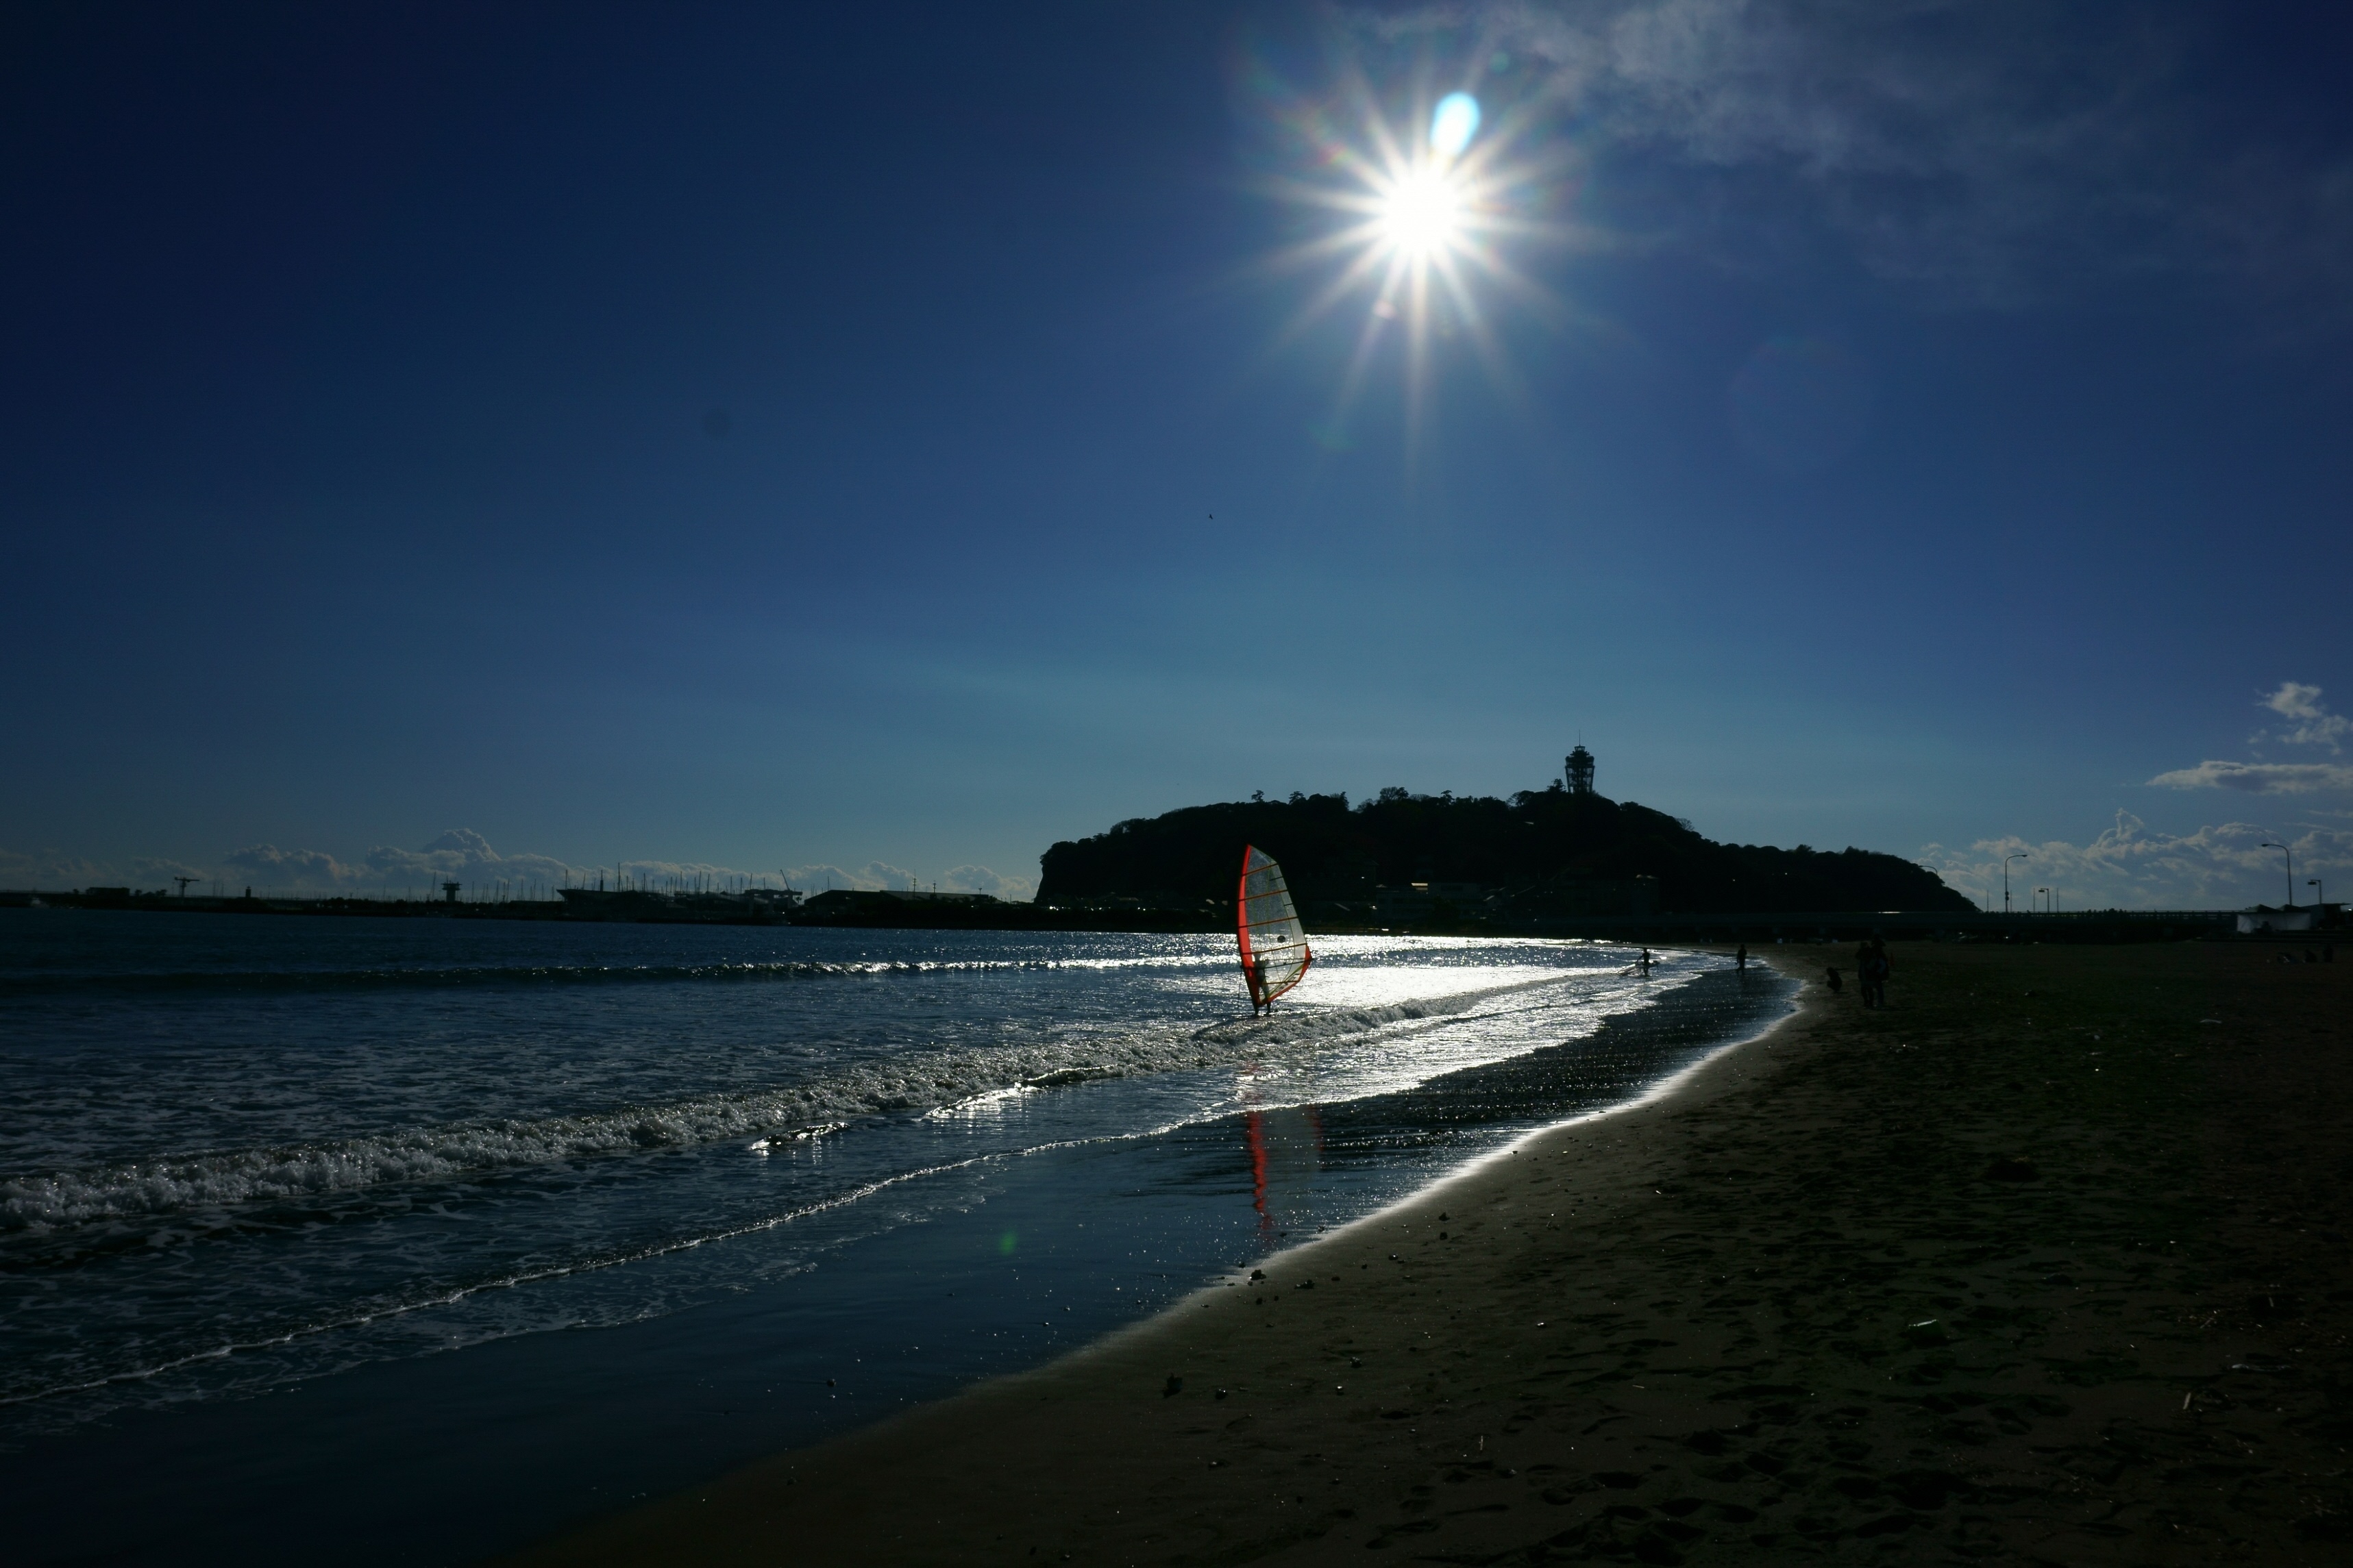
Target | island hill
(1565,861)
(1402,860)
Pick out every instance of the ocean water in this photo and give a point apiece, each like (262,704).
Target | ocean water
(475,1230)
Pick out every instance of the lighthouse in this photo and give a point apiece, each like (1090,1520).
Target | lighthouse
(1579,771)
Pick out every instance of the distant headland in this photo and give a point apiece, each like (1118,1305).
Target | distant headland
(1564,860)
(1403,859)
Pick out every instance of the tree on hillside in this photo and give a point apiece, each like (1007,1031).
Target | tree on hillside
(1332,853)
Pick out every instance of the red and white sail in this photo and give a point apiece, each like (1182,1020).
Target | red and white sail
(1274,947)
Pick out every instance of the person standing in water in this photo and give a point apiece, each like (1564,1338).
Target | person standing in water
(1643,964)
(1740,958)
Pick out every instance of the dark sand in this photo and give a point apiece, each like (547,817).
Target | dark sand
(2045,1263)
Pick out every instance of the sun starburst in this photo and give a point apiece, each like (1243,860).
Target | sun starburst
(1423,214)
(1423,218)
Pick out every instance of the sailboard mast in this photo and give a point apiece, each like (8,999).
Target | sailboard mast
(1273,945)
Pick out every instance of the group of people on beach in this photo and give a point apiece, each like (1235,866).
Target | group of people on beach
(1871,971)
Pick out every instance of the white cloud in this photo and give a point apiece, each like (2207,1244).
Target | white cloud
(981,880)
(460,855)
(2314,724)
(464,856)
(2259,778)
(877,875)
(271,866)
(38,869)
(2128,866)
(869,877)
(1989,152)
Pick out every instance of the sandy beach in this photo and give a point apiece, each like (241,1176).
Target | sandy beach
(2045,1262)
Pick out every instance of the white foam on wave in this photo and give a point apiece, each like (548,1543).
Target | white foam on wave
(1216,953)
(26,1389)
(1301,1027)
(914,1083)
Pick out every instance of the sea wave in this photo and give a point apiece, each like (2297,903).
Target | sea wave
(20,1385)
(556,974)
(915,1083)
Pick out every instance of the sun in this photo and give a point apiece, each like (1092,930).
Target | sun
(1422,214)
(1425,199)
(1425,212)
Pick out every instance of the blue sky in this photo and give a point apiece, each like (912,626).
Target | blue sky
(442,441)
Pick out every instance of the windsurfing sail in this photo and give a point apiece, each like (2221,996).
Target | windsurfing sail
(1274,948)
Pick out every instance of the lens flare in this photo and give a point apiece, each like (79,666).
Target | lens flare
(1453,124)
(1426,196)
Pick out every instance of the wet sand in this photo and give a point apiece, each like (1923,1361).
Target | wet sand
(2046,1262)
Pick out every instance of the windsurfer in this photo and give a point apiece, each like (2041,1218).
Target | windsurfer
(1274,949)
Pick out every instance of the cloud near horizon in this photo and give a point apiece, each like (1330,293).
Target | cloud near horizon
(2128,866)
(877,875)
(872,876)
(37,869)
(981,880)
(462,855)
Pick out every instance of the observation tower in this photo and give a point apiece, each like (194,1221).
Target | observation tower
(1580,771)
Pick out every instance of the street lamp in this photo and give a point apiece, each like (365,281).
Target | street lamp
(2006,860)
(2038,892)
(2319,893)
(2290,858)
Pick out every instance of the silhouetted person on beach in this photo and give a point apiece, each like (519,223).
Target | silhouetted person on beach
(1740,958)
(1871,971)
(1836,984)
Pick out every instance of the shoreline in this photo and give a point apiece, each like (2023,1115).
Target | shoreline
(972,1268)
(1691,1082)
(650,1532)
(1973,1274)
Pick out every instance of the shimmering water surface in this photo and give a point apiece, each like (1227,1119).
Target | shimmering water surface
(474,1229)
